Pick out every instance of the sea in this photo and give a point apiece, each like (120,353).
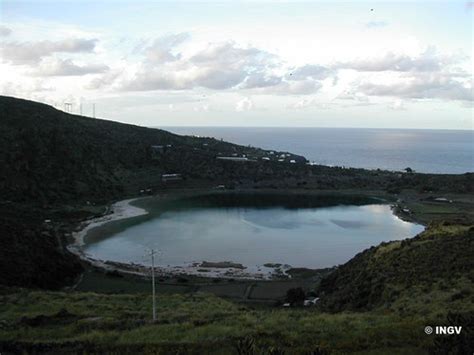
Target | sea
(425,151)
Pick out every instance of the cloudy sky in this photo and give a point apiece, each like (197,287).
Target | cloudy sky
(245,63)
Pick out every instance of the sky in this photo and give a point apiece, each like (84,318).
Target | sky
(405,64)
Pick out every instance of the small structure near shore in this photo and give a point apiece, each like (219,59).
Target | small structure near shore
(171,177)
(233,158)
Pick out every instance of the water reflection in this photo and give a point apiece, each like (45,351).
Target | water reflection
(310,237)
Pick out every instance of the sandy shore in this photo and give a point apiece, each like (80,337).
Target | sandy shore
(119,210)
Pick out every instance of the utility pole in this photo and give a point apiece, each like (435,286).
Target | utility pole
(68,107)
(152,253)
(93,110)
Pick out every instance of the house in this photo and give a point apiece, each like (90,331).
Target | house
(233,158)
(171,177)
(443,199)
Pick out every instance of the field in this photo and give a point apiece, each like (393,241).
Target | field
(194,323)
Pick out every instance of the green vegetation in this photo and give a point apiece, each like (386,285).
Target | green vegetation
(197,323)
(427,274)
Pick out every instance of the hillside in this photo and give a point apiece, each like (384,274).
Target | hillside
(63,168)
(59,169)
(51,157)
(427,273)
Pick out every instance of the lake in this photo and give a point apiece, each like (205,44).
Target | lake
(312,237)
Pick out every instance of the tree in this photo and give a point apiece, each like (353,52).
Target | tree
(295,295)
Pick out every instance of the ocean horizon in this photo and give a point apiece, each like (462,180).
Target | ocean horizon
(423,150)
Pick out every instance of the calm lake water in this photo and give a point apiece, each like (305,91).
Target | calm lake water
(428,151)
(307,237)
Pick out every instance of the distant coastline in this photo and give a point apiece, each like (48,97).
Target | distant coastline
(423,150)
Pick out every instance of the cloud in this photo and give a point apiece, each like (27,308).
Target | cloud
(429,75)
(261,80)
(66,67)
(397,105)
(303,103)
(218,66)
(426,61)
(222,66)
(376,24)
(24,89)
(104,80)
(246,104)
(354,96)
(310,71)
(161,51)
(422,86)
(5,31)
(19,53)
(201,108)
(300,87)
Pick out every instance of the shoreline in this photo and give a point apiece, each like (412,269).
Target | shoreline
(115,212)
(124,209)
(224,269)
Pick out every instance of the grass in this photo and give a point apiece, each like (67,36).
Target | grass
(99,282)
(193,322)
